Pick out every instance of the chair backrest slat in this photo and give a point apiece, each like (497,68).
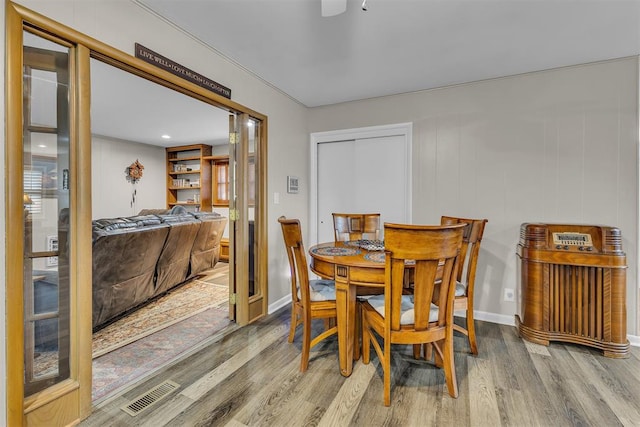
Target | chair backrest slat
(434,250)
(471,240)
(292,234)
(355,226)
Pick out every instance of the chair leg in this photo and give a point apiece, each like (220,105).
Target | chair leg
(471,331)
(327,324)
(428,351)
(386,368)
(449,366)
(366,339)
(306,344)
(294,324)
(417,351)
(357,336)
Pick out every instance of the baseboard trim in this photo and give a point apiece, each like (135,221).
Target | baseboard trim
(634,340)
(282,302)
(502,319)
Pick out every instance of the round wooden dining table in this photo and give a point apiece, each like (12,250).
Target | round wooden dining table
(356,271)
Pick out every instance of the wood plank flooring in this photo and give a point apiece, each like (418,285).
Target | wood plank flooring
(251,377)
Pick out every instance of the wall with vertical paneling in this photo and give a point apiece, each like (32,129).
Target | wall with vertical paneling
(552,146)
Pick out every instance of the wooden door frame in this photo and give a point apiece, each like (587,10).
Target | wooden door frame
(17,18)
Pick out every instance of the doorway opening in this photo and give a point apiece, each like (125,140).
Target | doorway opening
(135,119)
(70,104)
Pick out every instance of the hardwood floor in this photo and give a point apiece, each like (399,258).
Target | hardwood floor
(251,377)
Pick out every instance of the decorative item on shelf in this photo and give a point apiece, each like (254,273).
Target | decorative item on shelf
(134,172)
(179,167)
(181,182)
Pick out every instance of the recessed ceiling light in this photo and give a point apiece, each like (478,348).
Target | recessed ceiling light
(165,136)
(42,146)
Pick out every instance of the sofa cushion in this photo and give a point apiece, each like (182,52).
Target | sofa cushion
(108,224)
(140,257)
(124,264)
(161,211)
(173,263)
(205,252)
(143,220)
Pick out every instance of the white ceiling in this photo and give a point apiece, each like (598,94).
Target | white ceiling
(395,46)
(401,46)
(127,107)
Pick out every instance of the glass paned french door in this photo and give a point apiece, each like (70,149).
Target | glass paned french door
(243,209)
(252,133)
(46,174)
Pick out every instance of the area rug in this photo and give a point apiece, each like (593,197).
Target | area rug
(117,369)
(201,293)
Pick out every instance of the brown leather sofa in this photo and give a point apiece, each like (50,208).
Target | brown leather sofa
(139,258)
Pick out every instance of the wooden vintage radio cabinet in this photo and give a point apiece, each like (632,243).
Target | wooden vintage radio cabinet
(573,286)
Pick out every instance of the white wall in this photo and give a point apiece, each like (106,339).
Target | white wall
(111,192)
(553,146)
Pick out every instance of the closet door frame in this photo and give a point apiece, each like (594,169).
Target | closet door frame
(346,135)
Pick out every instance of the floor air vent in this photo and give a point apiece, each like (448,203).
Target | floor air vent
(150,398)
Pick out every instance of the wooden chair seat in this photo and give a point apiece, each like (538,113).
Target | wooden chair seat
(396,318)
(321,290)
(357,226)
(407,309)
(466,278)
(310,299)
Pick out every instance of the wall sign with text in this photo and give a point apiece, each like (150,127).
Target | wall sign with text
(174,68)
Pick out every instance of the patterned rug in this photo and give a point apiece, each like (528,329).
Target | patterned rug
(210,290)
(116,370)
(203,292)
(164,330)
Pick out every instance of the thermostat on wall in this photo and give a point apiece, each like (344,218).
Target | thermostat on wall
(292,184)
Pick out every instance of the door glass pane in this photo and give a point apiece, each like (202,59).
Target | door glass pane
(251,195)
(46,212)
(41,86)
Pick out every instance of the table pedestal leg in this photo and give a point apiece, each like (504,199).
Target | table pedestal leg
(346,308)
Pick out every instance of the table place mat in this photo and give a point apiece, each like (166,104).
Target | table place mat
(375,256)
(369,245)
(333,251)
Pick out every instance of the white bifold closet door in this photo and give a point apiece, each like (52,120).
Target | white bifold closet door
(362,176)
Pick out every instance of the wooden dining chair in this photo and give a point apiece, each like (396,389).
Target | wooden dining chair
(466,277)
(310,299)
(413,319)
(349,226)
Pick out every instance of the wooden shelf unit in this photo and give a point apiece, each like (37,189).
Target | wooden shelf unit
(193,157)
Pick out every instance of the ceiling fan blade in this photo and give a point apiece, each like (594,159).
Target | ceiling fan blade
(333,7)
